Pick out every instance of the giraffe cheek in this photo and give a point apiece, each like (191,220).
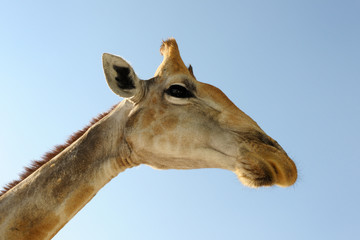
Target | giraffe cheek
(169,123)
(158,129)
(174,141)
(148,118)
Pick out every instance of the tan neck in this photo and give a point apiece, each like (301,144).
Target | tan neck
(44,202)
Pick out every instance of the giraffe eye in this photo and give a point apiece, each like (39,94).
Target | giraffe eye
(178,91)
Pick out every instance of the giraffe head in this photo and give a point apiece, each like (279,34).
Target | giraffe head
(178,122)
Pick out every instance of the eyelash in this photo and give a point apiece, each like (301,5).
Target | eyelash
(179,91)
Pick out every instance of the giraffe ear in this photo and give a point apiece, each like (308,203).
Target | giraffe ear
(120,76)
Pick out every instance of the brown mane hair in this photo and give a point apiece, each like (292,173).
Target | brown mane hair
(36,164)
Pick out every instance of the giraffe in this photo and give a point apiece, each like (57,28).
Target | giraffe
(171,121)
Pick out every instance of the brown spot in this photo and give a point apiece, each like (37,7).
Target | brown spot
(154,100)
(148,117)
(78,200)
(169,122)
(158,129)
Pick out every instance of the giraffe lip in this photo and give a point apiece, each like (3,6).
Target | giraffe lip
(266,169)
(255,175)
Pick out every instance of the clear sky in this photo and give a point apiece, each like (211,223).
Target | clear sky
(293,66)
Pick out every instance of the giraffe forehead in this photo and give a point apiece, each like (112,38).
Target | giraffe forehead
(214,96)
(180,78)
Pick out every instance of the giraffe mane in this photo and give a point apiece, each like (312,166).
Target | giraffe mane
(36,164)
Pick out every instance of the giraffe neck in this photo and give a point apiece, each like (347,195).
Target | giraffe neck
(44,202)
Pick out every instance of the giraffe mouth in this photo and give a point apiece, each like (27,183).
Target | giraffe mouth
(266,168)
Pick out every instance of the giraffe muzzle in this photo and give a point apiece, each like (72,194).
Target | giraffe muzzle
(263,164)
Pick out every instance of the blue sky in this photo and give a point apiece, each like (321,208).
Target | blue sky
(293,66)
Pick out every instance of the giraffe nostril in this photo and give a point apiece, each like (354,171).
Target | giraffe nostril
(260,137)
(268,141)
